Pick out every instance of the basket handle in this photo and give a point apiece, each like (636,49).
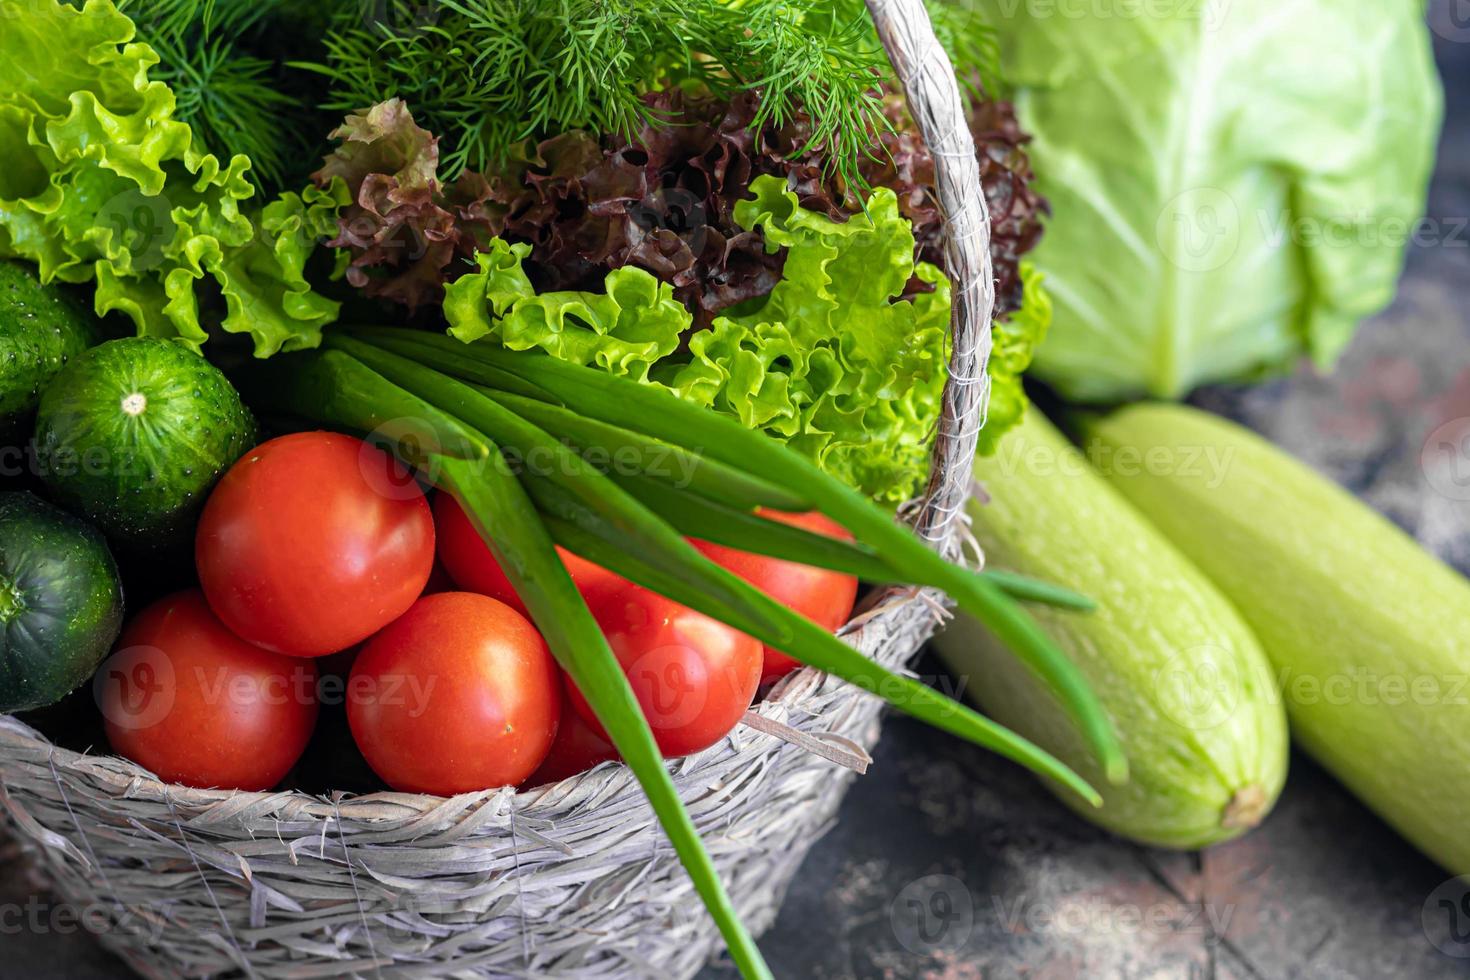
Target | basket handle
(928,80)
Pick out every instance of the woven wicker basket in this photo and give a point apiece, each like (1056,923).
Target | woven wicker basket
(574,879)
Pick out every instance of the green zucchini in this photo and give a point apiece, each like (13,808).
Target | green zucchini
(1369,634)
(1179,673)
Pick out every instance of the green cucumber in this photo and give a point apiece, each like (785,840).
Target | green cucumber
(41,328)
(61,603)
(1179,673)
(134,434)
(1369,634)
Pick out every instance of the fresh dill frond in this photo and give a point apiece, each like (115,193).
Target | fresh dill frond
(967,35)
(233,98)
(487,75)
(809,56)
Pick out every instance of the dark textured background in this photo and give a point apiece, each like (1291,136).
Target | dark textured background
(1021,887)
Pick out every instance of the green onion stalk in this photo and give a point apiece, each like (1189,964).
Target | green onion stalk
(468,418)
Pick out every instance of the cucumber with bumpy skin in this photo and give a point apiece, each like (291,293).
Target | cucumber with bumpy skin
(134,434)
(41,328)
(61,602)
(1179,673)
(1368,633)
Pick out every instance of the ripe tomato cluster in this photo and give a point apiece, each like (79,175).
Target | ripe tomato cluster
(317,548)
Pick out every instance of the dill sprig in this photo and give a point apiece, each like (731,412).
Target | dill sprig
(487,75)
(233,98)
(965,31)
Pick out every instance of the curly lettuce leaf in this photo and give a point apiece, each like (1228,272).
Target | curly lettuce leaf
(1014,342)
(1232,185)
(405,233)
(832,362)
(99,181)
(624,331)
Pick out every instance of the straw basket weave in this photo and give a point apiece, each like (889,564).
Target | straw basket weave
(573,879)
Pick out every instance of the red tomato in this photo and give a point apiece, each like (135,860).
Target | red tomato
(188,699)
(459,694)
(469,561)
(577,748)
(693,676)
(313,542)
(825,597)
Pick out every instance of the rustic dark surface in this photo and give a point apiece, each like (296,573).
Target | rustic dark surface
(1012,885)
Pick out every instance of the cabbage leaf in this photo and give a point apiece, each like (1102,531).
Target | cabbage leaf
(1232,184)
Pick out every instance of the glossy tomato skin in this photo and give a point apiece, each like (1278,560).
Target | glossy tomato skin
(694,677)
(472,566)
(577,748)
(313,542)
(459,694)
(825,597)
(188,699)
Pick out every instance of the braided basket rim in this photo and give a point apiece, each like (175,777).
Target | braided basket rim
(34,773)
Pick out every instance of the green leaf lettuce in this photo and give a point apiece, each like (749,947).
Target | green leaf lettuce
(832,362)
(99,181)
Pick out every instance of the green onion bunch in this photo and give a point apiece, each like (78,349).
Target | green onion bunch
(464,415)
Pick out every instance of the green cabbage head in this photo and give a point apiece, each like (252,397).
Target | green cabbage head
(1233,182)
